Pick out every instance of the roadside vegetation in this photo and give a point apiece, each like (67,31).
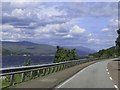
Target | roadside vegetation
(63,54)
(118,42)
(110,52)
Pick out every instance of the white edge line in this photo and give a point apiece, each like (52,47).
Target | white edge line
(69,79)
(59,86)
(115,86)
(110,78)
(106,69)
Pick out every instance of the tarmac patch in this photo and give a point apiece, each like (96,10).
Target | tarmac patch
(48,80)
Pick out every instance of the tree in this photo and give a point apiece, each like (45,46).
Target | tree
(118,41)
(27,63)
(63,54)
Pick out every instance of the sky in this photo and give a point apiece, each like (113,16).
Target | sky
(88,24)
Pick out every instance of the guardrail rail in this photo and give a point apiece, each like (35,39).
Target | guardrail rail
(40,70)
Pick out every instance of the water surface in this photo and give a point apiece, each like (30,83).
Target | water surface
(15,61)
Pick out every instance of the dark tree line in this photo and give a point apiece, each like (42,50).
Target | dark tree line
(118,42)
(105,53)
(110,52)
(63,54)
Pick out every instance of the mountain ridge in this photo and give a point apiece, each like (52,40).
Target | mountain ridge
(30,48)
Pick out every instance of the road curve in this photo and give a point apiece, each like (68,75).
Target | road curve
(93,76)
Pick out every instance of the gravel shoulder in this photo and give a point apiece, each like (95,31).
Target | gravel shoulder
(114,70)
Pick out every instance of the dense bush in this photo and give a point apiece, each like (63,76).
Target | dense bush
(110,52)
(63,54)
(118,42)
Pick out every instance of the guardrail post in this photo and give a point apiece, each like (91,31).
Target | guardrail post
(57,68)
(68,65)
(63,66)
(44,71)
(53,69)
(38,73)
(73,64)
(31,75)
(11,79)
(48,70)
(23,77)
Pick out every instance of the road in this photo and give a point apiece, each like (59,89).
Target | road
(93,76)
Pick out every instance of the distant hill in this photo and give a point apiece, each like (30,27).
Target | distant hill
(106,53)
(29,48)
(82,51)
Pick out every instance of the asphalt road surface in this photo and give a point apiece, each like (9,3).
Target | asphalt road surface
(93,76)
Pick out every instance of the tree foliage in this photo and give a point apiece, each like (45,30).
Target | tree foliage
(27,63)
(6,52)
(105,53)
(118,42)
(110,52)
(63,54)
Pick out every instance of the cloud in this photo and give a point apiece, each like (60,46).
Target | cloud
(112,26)
(40,14)
(59,23)
(66,30)
(50,11)
(93,40)
(105,30)
(11,33)
(21,13)
(109,33)
(10,28)
(75,30)
(90,9)
(21,1)
(113,23)
(17,12)
(68,36)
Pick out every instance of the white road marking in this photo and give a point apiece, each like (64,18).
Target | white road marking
(70,79)
(106,69)
(115,86)
(59,86)
(110,78)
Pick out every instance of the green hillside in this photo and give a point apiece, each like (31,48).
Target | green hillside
(105,53)
(41,49)
(29,48)
(110,52)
